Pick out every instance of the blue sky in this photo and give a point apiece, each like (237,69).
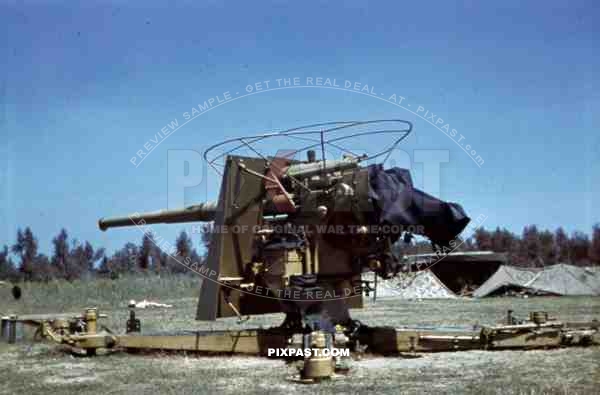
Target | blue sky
(84,88)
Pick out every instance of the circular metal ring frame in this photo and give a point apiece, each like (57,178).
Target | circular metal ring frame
(325,137)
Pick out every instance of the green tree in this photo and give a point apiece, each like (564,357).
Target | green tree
(26,248)
(82,260)
(60,256)
(183,251)
(547,248)
(594,253)
(530,250)
(122,261)
(561,246)
(483,239)
(207,231)
(579,248)
(150,254)
(7,267)
(43,270)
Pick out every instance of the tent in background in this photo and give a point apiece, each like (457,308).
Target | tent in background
(560,279)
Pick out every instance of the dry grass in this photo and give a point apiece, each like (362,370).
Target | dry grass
(36,368)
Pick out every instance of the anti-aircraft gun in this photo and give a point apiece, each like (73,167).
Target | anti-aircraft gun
(293,234)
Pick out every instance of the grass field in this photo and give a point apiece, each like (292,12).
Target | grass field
(37,367)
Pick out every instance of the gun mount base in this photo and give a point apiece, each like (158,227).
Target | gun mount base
(322,354)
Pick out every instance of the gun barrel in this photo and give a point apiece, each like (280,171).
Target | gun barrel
(202,212)
(305,170)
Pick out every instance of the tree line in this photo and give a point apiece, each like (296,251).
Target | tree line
(72,259)
(534,247)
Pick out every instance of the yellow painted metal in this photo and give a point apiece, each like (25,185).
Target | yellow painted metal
(436,340)
(318,367)
(525,339)
(256,342)
(91,316)
(380,340)
(95,341)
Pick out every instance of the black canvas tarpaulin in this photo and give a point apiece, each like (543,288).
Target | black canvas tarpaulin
(398,202)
